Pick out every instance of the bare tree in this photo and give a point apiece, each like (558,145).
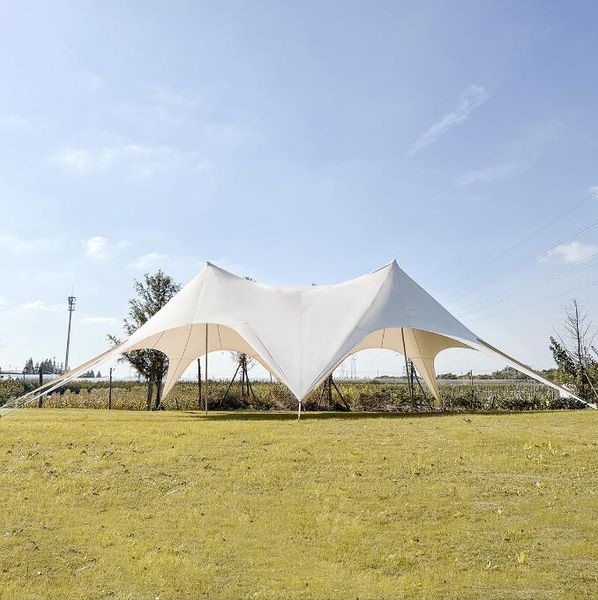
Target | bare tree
(574,352)
(244,362)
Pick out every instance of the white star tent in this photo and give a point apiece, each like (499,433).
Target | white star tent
(301,334)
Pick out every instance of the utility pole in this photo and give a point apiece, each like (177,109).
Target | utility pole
(71,308)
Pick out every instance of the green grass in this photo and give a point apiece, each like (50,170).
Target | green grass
(100,504)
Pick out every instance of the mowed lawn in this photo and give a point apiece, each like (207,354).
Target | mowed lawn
(99,504)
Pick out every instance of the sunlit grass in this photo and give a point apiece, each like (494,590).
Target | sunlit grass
(100,504)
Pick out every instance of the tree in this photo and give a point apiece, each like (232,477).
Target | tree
(575,354)
(244,363)
(152,294)
(29,368)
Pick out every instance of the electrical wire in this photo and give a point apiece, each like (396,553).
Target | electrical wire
(516,292)
(589,196)
(533,304)
(588,228)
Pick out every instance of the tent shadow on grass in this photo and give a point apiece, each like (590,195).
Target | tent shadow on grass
(351,416)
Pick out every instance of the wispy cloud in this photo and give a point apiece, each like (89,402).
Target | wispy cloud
(147,260)
(20,245)
(471,98)
(573,252)
(169,98)
(98,320)
(491,173)
(140,161)
(41,306)
(92,81)
(14,121)
(96,247)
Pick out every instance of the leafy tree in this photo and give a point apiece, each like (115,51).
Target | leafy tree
(508,373)
(152,294)
(446,376)
(47,365)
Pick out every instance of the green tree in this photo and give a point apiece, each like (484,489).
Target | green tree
(152,293)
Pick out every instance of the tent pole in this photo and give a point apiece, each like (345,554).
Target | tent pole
(339,393)
(206,394)
(231,383)
(198,384)
(419,383)
(407,371)
(251,388)
(299,411)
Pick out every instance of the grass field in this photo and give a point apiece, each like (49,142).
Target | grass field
(167,505)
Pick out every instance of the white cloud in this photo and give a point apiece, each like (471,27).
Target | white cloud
(77,159)
(99,320)
(96,247)
(492,173)
(14,121)
(41,306)
(573,252)
(147,260)
(171,99)
(19,245)
(471,98)
(92,81)
(140,161)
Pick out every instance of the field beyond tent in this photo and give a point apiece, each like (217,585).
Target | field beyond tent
(171,505)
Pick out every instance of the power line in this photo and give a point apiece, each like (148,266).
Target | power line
(589,196)
(581,232)
(556,275)
(532,304)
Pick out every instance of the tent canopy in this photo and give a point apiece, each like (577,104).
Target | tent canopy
(301,334)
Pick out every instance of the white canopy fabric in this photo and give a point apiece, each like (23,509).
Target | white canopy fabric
(301,334)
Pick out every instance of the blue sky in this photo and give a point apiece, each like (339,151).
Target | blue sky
(298,143)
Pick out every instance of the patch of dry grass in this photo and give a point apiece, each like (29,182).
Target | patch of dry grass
(100,504)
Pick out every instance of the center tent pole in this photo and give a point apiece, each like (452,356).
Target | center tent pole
(206,394)
(299,411)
